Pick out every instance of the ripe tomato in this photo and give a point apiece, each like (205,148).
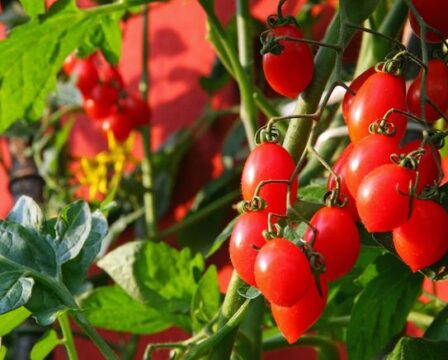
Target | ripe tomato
(290,72)
(337,239)
(428,169)
(101,101)
(436,90)
(282,272)
(269,162)
(294,321)
(379,93)
(371,152)
(119,124)
(137,110)
(434,14)
(340,168)
(422,240)
(355,85)
(111,76)
(69,64)
(245,242)
(381,200)
(86,75)
(445,170)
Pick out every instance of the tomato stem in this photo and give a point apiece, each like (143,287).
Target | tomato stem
(68,336)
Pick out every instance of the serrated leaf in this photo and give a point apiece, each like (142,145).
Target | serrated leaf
(15,291)
(45,345)
(377,318)
(112,309)
(206,300)
(222,237)
(33,7)
(27,213)
(10,320)
(417,349)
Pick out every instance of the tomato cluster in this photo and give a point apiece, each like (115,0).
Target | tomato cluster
(104,96)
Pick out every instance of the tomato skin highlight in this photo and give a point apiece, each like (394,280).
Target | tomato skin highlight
(379,93)
(269,162)
(371,152)
(380,204)
(423,240)
(337,239)
(100,101)
(86,75)
(282,272)
(247,236)
(436,90)
(294,321)
(119,124)
(433,13)
(290,72)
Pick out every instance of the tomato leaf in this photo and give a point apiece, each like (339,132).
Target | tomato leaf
(438,330)
(112,308)
(377,318)
(222,237)
(33,7)
(45,345)
(416,349)
(313,193)
(3,352)
(26,213)
(15,291)
(12,319)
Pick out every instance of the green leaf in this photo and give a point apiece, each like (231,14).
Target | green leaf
(222,237)
(10,320)
(27,213)
(33,7)
(206,300)
(15,291)
(113,309)
(438,330)
(44,306)
(3,351)
(111,42)
(313,193)
(156,275)
(382,308)
(45,345)
(417,349)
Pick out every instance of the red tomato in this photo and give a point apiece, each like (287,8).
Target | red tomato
(337,239)
(355,85)
(245,242)
(111,76)
(101,101)
(340,168)
(445,170)
(269,162)
(290,72)
(427,168)
(379,93)
(433,13)
(422,240)
(137,110)
(294,321)
(69,64)
(282,272)
(371,152)
(382,201)
(436,90)
(119,124)
(86,75)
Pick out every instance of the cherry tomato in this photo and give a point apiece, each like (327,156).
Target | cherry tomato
(340,168)
(269,162)
(101,101)
(382,200)
(245,242)
(290,72)
(372,151)
(427,168)
(282,272)
(433,13)
(119,124)
(379,93)
(86,75)
(337,239)
(445,170)
(294,321)
(137,110)
(111,76)
(436,90)
(69,64)
(355,85)
(422,240)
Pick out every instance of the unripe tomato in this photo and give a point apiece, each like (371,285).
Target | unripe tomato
(295,320)
(436,91)
(337,239)
(86,75)
(137,110)
(119,124)
(101,101)
(269,162)
(290,72)
(423,239)
(383,200)
(372,151)
(246,240)
(433,13)
(282,272)
(379,93)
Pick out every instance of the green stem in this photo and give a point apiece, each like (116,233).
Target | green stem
(67,337)
(147,171)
